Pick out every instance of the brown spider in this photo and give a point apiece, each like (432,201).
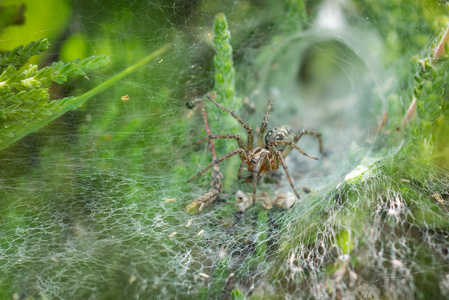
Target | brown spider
(268,154)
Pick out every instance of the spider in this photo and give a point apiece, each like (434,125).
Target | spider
(269,153)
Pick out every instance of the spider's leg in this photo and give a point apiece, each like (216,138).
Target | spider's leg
(285,152)
(250,141)
(309,132)
(237,137)
(256,174)
(281,160)
(217,161)
(267,165)
(264,125)
(239,174)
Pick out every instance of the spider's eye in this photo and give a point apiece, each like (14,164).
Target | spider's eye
(253,160)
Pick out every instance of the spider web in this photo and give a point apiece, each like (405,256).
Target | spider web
(94,205)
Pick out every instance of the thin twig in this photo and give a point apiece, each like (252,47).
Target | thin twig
(439,50)
(216,186)
(211,143)
(410,114)
(382,123)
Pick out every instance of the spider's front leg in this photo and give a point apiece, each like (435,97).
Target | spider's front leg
(250,140)
(219,160)
(279,159)
(223,136)
(264,124)
(289,149)
(263,164)
(242,165)
(308,132)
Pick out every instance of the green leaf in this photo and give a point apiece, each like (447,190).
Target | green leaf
(237,295)
(47,110)
(20,55)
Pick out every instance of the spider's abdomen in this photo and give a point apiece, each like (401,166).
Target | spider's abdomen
(279,133)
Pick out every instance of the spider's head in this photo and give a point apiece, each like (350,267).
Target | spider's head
(251,162)
(255,157)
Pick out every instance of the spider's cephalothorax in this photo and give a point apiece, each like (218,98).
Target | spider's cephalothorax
(277,134)
(269,153)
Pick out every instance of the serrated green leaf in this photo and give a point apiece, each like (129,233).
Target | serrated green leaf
(33,109)
(20,55)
